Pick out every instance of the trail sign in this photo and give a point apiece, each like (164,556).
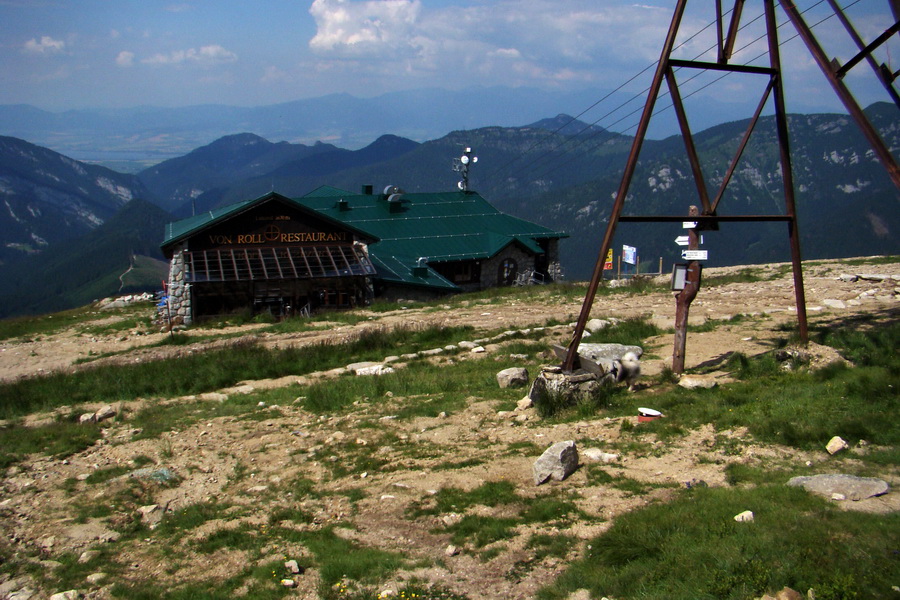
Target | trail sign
(608,264)
(694,254)
(629,254)
(683,240)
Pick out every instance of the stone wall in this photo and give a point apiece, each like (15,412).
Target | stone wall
(178,311)
(490,267)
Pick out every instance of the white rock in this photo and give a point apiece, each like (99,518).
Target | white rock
(513,377)
(292,567)
(691,382)
(451,550)
(744,517)
(375,370)
(595,325)
(67,595)
(151,515)
(833,303)
(598,455)
(107,412)
(836,444)
(557,462)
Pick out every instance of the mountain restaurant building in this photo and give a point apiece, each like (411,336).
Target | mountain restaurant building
(335,249)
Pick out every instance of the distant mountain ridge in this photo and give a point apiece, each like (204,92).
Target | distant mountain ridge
(48,198)
(341,119)
(560,173)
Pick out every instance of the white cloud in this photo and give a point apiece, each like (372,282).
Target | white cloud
(206,56)
(125,58)
(507,53)
(355,28)
(46,46)
(507,42)
(273,74)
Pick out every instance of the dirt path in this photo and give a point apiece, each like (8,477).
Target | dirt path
(774,299)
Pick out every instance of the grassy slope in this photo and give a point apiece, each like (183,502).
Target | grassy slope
(666,550)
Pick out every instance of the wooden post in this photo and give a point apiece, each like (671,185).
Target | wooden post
(684,298)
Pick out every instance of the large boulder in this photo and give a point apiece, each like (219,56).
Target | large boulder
(840,485)
(557,462)
(513,377)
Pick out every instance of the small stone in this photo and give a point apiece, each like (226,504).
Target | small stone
(787,593)
(599,455)
(451,550)
(288,583)
(87,418)
(836,444)
(67,595)
(107,412)
(95,578)
(744,517)
(292,567)
(525,403)
(838,497)
(151,515)
(87,556)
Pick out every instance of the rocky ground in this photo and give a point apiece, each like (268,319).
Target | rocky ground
(253,465)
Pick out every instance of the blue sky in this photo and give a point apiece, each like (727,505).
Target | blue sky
(61,54)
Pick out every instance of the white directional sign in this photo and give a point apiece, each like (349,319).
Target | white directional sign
(683,240)
(688,224)
(694,254)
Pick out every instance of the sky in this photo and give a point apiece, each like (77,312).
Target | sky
(64,54)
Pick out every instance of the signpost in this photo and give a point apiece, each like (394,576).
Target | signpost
(686,295)
(629,255)
(608,263)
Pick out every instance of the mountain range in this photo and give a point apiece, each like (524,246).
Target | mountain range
(70,229)
(124,136)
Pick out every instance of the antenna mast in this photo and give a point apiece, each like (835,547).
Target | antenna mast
(461,165)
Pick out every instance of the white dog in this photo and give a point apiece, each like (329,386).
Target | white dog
(628,369)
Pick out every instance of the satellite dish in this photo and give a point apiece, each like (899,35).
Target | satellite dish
(461,185)
(464,159)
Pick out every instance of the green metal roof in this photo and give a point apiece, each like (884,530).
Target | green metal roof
(440,227)
(184,228)
(445,226)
